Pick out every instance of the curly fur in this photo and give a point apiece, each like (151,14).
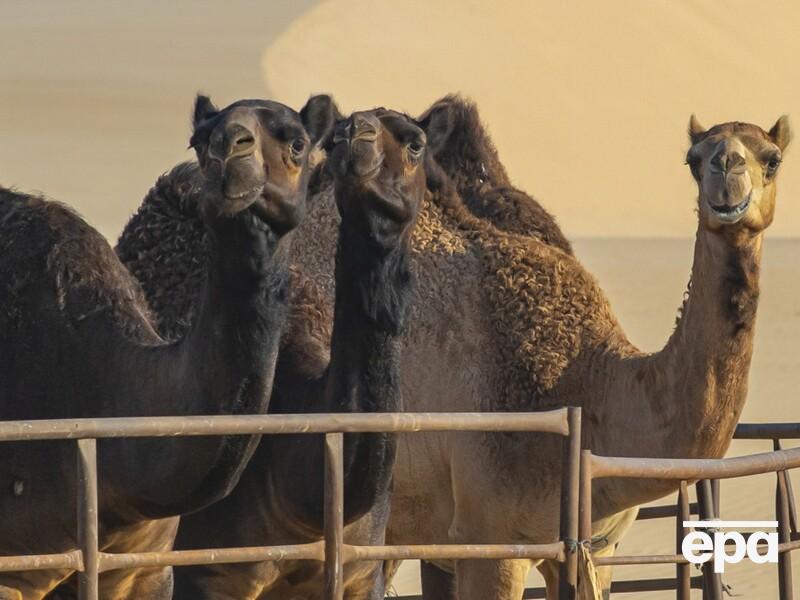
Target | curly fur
(545,307)
(155,241)
(39,235)
(470,159)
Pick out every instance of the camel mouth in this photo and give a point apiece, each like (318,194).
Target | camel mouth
(253,191)
(370,175)
(731,214)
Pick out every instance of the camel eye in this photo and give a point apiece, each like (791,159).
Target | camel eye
(772,165)
(297,147)
(415,149)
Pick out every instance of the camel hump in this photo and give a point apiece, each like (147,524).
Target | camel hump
(165,247)
(47,245)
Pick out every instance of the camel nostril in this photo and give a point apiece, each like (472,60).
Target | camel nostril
(238,141)
(365,127)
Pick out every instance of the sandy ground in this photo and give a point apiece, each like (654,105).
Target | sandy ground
(588,104)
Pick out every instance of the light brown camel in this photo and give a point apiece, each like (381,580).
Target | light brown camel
(683,401)
(77,340)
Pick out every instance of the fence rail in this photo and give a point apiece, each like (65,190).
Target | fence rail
(708,472)
(580,469)
(89,561)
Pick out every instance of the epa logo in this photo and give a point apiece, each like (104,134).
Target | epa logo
(699,547)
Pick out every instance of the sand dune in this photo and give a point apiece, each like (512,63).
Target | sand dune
(588,102)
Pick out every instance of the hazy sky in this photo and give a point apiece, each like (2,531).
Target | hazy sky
(588,102)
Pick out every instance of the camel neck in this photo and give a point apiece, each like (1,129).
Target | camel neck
(372,296)
(708,355)
(685,400)
(224,365)
(373,288)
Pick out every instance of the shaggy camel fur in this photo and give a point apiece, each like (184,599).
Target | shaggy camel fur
(77,340)
(506,322)
(379,183)
(683,401)
(461,145)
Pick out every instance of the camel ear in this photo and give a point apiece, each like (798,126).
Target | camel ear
(319,115)
(781,132)
(203,109)
(696,130)
(438,121)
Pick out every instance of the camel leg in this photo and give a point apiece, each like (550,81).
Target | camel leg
(549,570)
(491,579)
(436,583)
(605,574)
(6,593)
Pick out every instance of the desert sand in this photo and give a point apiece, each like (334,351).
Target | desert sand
(587,102)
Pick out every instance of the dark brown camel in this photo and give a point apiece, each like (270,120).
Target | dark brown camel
(502,321)
(376,166)
(461,145)
(77,340)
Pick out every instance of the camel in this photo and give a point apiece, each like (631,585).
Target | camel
(502,321)
(506,322)
(461,144)
(78,340)
(375,172)
(683,401)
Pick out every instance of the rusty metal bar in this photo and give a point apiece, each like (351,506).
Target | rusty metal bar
(88,577)
(138,560)
(692,468)
(645,559)
(554,551)
(334,516)
(552,421)
(715,499)
(585,513)
(651,585)
(570,507)
(792,506)
(683,576)
(783,516)
(662,512)
(712,582)
(767,431)
(42,562)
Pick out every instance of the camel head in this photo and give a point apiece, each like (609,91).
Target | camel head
(735,166)
(377,158)
(460,143)
(255,154)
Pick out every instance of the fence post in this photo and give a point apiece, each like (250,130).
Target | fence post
(712,582)
(585,512)
(88,584)
(570,506)
(783,516)
(334,516)
(682,570)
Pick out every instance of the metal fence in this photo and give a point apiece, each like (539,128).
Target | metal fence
(89,561)
(709,472)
